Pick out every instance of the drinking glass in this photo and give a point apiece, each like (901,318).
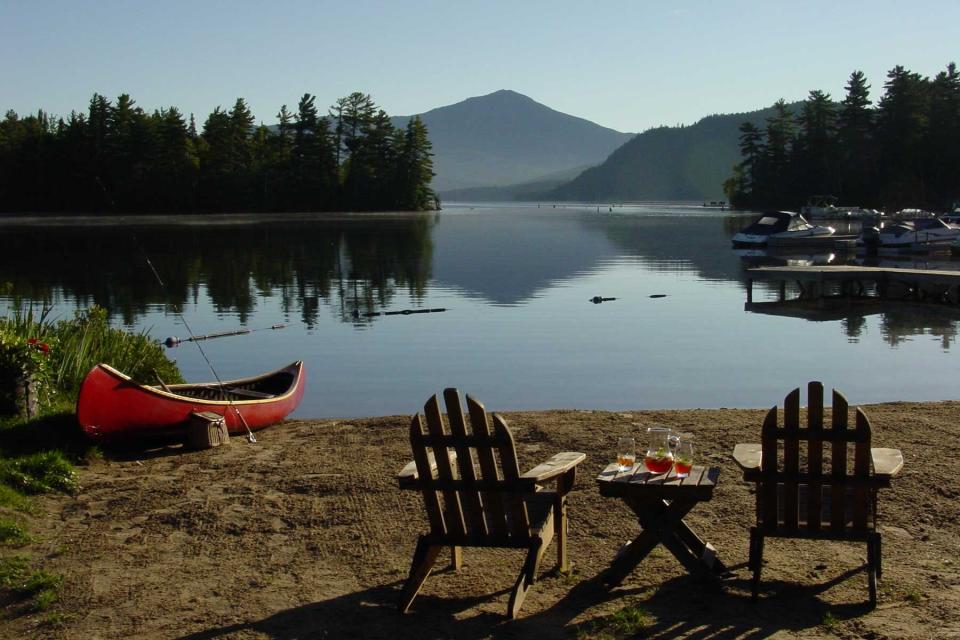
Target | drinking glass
(683,458)
(626,453)
(659,457)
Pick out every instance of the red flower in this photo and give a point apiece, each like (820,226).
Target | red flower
(32,341)
(44,347)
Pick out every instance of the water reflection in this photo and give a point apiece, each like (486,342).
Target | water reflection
(354,265)
(516,283)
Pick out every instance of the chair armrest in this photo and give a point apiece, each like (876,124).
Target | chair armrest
(407,478)
(555,466)
(748,456)
(886,462)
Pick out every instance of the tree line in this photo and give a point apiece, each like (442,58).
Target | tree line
(118,157)
(905,152)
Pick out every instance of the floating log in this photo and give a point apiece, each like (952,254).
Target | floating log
(405,312)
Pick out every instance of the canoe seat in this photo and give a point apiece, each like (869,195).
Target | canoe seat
(250,393)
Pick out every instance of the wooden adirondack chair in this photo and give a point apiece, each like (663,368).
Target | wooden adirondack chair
(833,499)
(470,503)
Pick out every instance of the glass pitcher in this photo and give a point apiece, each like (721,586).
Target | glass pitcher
(660,445)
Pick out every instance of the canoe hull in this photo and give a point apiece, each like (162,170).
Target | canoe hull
(111,406)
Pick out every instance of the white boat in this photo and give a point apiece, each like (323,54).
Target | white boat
(783,228)
(820,207)
(826,208)
(913,214)
(918,234)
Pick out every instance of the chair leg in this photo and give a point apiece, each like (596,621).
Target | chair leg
(423,558)
(873,568)
(527,577)
(560,530)
(755,561)
(879,557)
(456,558)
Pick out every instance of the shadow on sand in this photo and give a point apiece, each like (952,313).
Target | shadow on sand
(680,607)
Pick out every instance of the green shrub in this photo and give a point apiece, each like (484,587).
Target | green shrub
(26,344)
(39,473)
(87,340)
(58,355)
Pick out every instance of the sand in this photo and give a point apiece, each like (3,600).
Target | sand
(305,535)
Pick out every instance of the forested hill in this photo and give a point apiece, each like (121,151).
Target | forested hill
(667,163)
(505,138)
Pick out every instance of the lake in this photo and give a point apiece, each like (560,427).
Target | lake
(517,328)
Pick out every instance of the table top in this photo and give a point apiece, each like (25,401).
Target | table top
(638,482)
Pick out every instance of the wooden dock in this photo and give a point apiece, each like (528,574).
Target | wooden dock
(851,281)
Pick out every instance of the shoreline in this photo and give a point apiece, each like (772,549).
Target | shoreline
(298,534)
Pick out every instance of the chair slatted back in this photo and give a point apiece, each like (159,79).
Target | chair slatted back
(475,491)
(795,493)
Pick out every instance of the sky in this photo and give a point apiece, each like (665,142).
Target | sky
(628,65)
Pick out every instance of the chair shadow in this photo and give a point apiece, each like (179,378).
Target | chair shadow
(687,607)
(371,613)
(681,606)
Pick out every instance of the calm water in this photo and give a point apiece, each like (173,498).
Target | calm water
(518,330)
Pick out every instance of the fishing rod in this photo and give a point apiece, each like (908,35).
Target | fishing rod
(174,341)
(193,338)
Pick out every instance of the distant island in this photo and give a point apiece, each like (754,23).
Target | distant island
(903,153)
(118,158)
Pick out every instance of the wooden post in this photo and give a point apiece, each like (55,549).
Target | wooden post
(783,290)
(749,290)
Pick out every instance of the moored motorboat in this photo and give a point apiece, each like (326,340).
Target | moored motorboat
(112,406)
(781,227)
(826,208)
(918,234)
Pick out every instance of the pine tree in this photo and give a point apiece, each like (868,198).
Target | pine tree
(816,145)
(314,169)
(856,145)
(902,123)
(416,167)
(942,145)
(748,174)
(778,172)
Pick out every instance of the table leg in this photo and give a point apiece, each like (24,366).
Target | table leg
(700,548)
(662,523)
(629,557)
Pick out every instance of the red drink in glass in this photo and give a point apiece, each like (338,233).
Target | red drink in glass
(658,464)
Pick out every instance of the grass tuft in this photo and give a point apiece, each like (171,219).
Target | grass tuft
(22,582)
(12,534)
(829,620)
(628,622)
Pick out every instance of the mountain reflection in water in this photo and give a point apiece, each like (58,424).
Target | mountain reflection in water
(519,330)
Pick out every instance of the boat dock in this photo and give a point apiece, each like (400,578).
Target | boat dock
(851,281)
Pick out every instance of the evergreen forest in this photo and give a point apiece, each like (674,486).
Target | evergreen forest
(903,152)
(116,157)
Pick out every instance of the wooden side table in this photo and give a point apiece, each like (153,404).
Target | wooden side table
(660,501)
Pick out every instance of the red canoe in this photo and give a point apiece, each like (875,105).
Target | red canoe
(111,406)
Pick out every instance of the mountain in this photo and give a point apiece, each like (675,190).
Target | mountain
(520,191)
(506,138)
(667,163)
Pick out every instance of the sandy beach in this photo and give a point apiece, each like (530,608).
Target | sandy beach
(305,535)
